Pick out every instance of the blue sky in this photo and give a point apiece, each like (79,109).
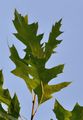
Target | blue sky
(46,12)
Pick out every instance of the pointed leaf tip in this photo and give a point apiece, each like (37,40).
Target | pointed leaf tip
(1,78)
(26,19)
(60,20)
(15,11)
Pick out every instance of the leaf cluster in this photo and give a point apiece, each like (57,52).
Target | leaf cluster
(32,69)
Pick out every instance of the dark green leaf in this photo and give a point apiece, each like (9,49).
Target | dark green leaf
(14,107)
(1,79)
(4,115)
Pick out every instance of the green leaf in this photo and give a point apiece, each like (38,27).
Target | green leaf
(4,93)
(27,34)
(12,103)
(63,114)
(49,74)
(4,115)
(45,92)
(1,112)
(52,41)
(23,70)
(1,78)
(77,112)
(14,107)
(32,68)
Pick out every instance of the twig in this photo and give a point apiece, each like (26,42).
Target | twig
(36,110)
(33,107)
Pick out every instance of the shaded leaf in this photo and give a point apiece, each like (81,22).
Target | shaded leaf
(1,79)
(4,115)
(14,107)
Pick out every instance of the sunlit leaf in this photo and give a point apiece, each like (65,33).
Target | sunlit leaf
(63,114)
(52,41)
(60,112)
(77,112)
(32,68)
(4,93)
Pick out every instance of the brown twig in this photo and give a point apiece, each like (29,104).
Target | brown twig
(33,107)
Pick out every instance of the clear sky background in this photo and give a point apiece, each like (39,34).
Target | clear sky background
(70,52)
